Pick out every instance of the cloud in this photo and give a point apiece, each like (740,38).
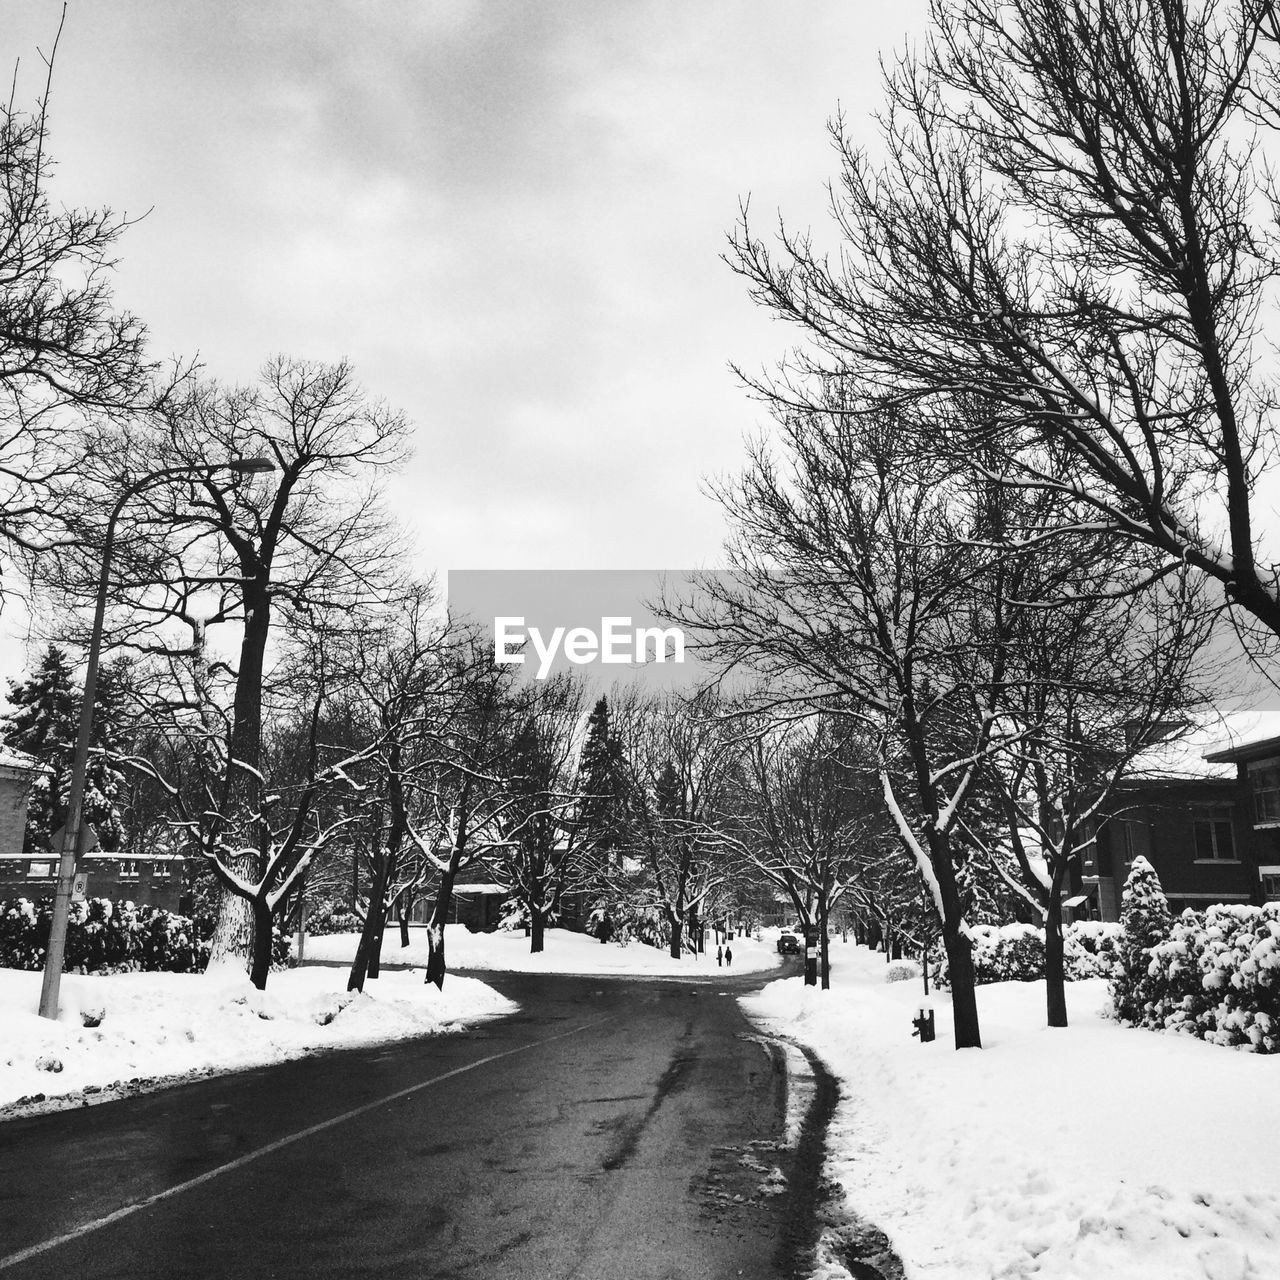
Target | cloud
(509,215)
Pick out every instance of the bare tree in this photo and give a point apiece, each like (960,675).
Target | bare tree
(66,353)
(1069,223)
(802,821)
(1094,680)
(866,584)
(436,797)
(679,754)
(540,858)
(305,547)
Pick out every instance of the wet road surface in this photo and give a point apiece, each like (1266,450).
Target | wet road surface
(614,1128)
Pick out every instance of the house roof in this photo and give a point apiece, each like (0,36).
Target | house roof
(10,758)
(1181,756)
(1250,736)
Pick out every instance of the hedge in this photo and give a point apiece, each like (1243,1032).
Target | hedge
(1015,952)
(107,937)
(1216,976)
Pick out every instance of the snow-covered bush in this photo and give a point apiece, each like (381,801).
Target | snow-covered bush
(1217,977)
(514,915)
(622,921)
(1001,953)
(1240,961)
(168,943)
(20,944)
(901,971)
(1214,976)
(1015,952)
(331,915)
(1170,993)
(1089,949)
(102,937)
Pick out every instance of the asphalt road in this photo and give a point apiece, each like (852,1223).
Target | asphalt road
(618,1129)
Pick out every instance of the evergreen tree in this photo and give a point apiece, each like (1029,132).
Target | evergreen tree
(1144,915)
(602,785)
(530,865)
(1145,922)
(43,723)
(668,793)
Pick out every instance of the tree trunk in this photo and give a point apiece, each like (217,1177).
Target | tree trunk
(824,956)
(365,963)
(677,935)
(964,1000)
(1055,980)
(435,953)
(300,942)
(537,929)
(375,947)
(261,966)
(435,928)
(404,925)
(234,931)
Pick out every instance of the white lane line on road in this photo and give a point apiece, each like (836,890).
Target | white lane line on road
(127,1210)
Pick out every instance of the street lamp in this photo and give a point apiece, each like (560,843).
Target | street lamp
(71,848)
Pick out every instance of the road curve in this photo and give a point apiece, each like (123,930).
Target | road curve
(613,1128)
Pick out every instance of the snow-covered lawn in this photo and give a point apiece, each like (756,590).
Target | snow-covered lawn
(564,952)
(1093,1152)
(158,1026)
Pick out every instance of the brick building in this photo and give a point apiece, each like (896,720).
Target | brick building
(156,879)
(18,772)
(1203,807)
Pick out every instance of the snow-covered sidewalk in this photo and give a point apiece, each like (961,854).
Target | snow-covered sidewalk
(156,1028)
(564,952)
(1090,1152)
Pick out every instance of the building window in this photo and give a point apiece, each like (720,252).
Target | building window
(1127,839)
(1106,866)
(1271,887)
(1215,841)
(1264,781)
(161,870)
(130,870)
(39,870)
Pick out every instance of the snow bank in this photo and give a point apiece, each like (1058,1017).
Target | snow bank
(156,1026)
(1098,1150)
(565,952)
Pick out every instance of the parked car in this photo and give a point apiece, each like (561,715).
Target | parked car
(788,944)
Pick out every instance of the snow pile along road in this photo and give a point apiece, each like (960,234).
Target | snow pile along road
(152,1027)
(1098,1150)
(565,952)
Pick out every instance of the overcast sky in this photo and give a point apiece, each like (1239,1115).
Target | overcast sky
(508,214)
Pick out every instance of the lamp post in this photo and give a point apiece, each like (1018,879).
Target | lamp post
(73,834)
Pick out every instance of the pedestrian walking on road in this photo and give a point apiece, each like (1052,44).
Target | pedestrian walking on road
(728,955)
(719,956)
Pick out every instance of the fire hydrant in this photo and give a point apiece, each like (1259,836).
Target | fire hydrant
(923,1023)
